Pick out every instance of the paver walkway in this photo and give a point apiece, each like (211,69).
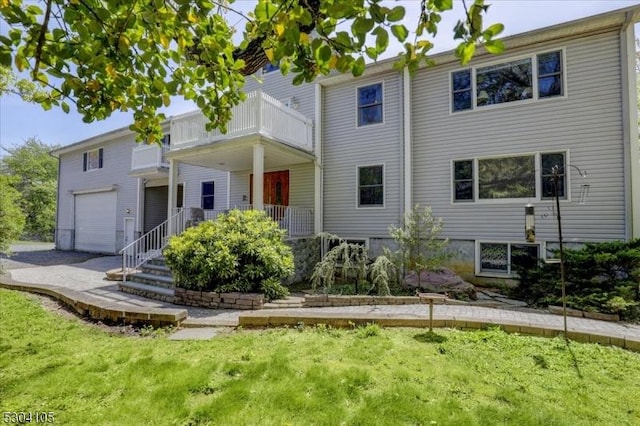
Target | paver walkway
(88,277)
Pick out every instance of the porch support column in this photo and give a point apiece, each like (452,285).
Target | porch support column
(258,177)
(173,192)
(140,208)
(318,178)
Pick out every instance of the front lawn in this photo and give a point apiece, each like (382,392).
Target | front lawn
(307,375)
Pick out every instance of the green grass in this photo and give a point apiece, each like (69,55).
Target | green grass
(308,375)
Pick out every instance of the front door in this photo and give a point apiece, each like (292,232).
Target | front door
(129,230)
(275,187)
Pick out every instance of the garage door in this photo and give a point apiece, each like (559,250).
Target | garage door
(95,219)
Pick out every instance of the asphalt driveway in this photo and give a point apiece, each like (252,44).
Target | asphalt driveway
(30,254)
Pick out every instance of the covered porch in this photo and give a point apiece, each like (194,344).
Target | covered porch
(268,153)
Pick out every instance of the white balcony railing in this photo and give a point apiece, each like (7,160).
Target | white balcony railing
(149,157)
(297,221)
(258,114)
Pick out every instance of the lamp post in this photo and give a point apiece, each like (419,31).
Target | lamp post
(556,174)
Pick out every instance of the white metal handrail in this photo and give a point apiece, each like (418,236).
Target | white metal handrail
(151,244)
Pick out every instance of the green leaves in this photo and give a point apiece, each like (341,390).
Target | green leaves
(118,55)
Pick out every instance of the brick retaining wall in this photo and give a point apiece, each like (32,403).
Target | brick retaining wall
(206,299)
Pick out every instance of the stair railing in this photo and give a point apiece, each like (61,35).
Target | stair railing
(151,244)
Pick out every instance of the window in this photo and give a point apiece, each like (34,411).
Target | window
(507,177)
(504,83)
(461,85)
(510,177)
(370,186)
(463,180)
(270,68)
(549,74)
(504,258)
(370,104)
(207,195)
(508,82)
(166,139)
(92,160)
(548,162)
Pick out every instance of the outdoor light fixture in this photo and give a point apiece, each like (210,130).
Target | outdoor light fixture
(529,223)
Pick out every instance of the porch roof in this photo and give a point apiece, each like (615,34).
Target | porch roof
(237,154)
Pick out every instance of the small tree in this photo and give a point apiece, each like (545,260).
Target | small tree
(11,217)
(419,246)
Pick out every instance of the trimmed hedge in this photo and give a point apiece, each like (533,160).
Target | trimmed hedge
(241,251)
(600,277)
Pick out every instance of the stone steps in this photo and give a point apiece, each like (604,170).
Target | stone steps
(148,291)
(154,281)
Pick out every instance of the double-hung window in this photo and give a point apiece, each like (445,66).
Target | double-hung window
(534,77)
(207,195)
(92,160)
(370,104)
(528,176)
(371,186)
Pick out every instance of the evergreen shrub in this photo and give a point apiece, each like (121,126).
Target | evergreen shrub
(602,277)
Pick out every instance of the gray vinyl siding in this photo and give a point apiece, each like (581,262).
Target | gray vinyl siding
(346,146)
(587,123)
(115,171)
(192,177)
(301,181)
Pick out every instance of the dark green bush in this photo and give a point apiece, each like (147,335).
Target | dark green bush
(241,251)
(603,277)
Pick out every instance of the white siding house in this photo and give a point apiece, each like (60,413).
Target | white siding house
(351,155)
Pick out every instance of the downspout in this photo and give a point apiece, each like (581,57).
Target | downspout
(318,175)
(630,128)
(55,230)
(406,89)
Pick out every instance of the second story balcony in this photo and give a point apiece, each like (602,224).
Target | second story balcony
(149,161)
(259,115)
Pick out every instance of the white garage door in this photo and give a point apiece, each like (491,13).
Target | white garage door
(96,222)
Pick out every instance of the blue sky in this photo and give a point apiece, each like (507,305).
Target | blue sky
(19,120)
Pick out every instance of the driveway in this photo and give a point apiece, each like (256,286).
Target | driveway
(30,254)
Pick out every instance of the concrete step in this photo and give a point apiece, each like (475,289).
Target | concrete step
(148,291)
(289,302)
(158,261)
(159,270)
(151,279)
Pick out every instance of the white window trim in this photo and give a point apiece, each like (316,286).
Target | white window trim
(384,187)
(87,152)
(534,84)
(214,193)
(384,113)
(509,274)
(538,173)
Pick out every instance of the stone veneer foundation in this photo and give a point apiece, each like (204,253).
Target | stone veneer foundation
(206,299)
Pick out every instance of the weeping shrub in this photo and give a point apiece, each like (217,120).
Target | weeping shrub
(241,251)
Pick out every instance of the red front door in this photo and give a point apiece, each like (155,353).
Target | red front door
(275,187)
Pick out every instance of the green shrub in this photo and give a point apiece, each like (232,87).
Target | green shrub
(600,277)
(240,251)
